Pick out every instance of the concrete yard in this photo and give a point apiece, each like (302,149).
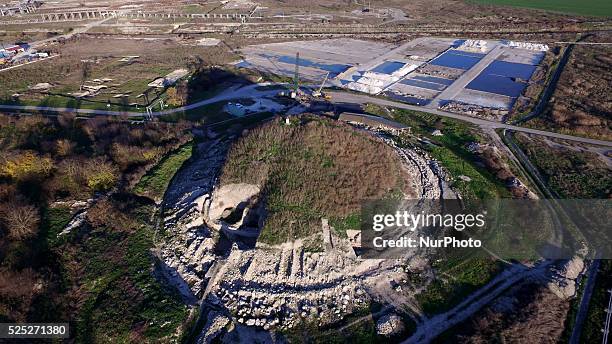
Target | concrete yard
(427,71)
(316,57)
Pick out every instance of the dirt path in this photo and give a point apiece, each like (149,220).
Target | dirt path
(429,330)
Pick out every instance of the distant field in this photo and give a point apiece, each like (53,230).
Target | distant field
(602,8)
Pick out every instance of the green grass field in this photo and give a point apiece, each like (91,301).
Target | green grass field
(600,8)
(155,183)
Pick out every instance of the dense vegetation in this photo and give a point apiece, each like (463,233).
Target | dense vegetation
(457,280)
(98,275)
(311,169)
(581,100)
(108,268)
(572,174)
(451,151)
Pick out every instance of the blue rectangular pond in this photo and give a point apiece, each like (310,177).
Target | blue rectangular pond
(510,70)
(388,67)
(497,84)
(458,59)
(333,69)
(435,80)
(500,77)
(424,84)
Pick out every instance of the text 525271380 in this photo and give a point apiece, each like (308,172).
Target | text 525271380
(44,330)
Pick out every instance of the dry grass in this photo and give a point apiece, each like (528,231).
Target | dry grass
(571,173)
(317,168)
(535,313)
(68,72)
(582,102)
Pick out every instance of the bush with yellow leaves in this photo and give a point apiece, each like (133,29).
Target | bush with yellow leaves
(26,165)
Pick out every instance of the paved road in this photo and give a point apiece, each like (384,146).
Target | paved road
(584,302)
(337,98)
(351,98)
(229,94)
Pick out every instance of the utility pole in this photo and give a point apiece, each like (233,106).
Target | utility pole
(606,329)
(296,77)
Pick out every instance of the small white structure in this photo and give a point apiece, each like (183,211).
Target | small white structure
(209,42)
(528,46)
(474,45)
(374,82)
(43,86)
(169,79)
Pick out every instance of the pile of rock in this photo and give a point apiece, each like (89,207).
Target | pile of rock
(565,276)
(389,325)
(285,306)
(529,46)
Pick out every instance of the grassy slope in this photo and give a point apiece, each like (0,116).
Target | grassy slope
(120,300)
(458,275)
(461,279)
(601,8)
(154,183)
(309,171)
(450,150)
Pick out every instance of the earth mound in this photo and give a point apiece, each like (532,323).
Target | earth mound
(310,169)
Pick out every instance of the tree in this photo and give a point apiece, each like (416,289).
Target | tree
(21,220)
(26,165)
(101,213)
(64,147)
(69,178)
(85,71)
(177,96)
(66,120)
(439,124)
(100,174)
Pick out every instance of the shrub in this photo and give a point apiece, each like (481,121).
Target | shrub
(21,220)
(64,147)
(26,165)
(100,174)
(129,156)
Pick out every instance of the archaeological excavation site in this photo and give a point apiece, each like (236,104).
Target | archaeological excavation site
(322,171)
(262,227)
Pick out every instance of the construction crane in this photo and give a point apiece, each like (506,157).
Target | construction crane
(319,92)
(296,77)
